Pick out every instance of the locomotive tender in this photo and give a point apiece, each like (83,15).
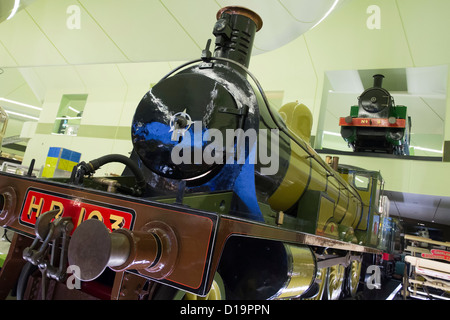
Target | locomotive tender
(376,124)
(197,228)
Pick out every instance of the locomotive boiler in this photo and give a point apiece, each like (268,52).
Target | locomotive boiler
(222,195)
(216,95)
(376,124)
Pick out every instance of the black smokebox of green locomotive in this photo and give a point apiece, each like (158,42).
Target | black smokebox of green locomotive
(375,102)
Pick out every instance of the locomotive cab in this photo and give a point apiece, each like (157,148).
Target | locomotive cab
(370,185)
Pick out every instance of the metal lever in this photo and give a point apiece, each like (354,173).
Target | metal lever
(55,234)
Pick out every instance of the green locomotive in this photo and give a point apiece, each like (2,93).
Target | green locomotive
(376,124)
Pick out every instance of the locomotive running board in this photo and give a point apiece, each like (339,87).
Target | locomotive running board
(232,226)
(203,234)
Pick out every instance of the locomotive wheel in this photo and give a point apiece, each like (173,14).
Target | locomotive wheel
(320,282)
(353,278)
(335,280)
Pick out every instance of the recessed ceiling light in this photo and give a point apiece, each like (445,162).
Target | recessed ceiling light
(332,133)
(21,115)
(21,104)
(74,110)
(427,149)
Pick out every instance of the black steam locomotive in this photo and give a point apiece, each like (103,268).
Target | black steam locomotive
(376,124)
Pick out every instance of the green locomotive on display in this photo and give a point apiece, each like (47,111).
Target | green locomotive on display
(376,124)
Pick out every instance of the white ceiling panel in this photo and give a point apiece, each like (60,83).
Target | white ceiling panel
(427,80)
(144,30)
(34,82)
(424,116)
(308,11)
(23,94)
(60,78)
(137,74)
(100,76)
(428,42)
(345,81)
(197,18)
(14,88)
(5,57)
(79,43)
(10,80)
(25,42)
(116,31)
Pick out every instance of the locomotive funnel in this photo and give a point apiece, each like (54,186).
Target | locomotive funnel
(235,31)
(378,80)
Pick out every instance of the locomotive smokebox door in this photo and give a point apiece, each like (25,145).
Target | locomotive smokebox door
(184,114)
(375,101)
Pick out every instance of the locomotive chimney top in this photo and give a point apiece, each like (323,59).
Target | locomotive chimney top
(243,12)
(235,30)
(377,80)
